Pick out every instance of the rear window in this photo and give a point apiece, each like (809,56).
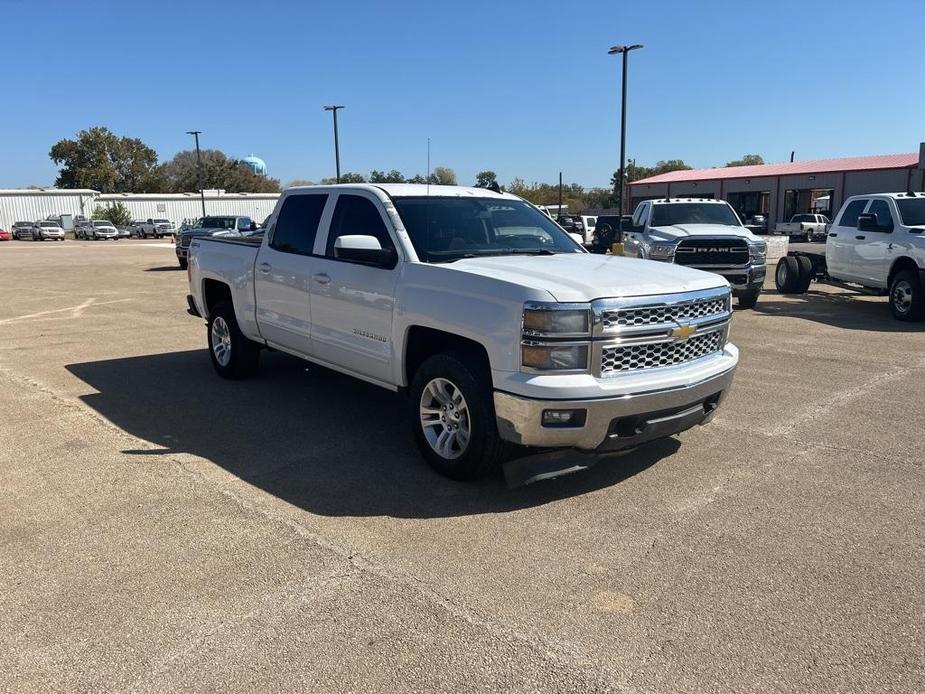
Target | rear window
(849,218)
(297,224)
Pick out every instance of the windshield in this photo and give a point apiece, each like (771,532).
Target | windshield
(48,225)
(162,221)
(912,211)
(692,213)
(217,223)
(444,229)
(102,224)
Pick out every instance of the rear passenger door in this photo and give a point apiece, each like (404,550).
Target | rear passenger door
(840,243)
(352,303)
(282,277)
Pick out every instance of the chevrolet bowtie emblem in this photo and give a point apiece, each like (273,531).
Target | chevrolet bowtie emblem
(682,332)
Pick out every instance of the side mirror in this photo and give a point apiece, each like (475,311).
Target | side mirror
(868,222)
(364,249)
(254,226)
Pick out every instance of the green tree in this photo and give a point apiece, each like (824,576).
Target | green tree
(393,176)
(101,160)
(299,182)
(181,174)
(483,179)
(345,178)
(417,178)
(443,176)
(747,160)
(634,172)
(115,212)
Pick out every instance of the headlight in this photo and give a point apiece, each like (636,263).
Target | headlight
(758,252)
(555,357)
(661,251)
(538,321)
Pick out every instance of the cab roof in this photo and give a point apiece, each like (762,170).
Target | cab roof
(422,190)
(668,201)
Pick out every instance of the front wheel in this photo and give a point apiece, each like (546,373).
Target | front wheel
(907,302)
(747,300)
(184,264)
(233,355)
(453,416)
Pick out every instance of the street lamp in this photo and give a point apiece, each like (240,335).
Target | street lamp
(202,195)
(334,109)
(621,175)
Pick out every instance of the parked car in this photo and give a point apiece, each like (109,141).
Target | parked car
(22,230)
(804,227)
(5,235)
(501,328)
(757,224)
(588,223)
(156,228)
(135,227)
(230,226)
(101,229)
(875,244)
(706,234)
(124,232)
(47,229)
(607,231)
(83,230)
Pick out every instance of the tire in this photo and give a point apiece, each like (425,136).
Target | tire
(748,299)
(455,386)
(233,355)
(787,275)
(183,264)
(907,299)
(805,273)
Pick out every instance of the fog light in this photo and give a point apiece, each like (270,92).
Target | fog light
(564,418)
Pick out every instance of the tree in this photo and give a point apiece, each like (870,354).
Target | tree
(345,178)
(299,182)
(417,178)
(181,174)
(635,172)
(100,160)
(443,176)
(393,176)
(115,212)
(483,179)
(747,160)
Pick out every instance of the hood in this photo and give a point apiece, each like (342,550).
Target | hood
(192,233)
(679,231)
(584,277)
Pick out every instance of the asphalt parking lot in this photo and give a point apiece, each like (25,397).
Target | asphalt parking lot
(163,529)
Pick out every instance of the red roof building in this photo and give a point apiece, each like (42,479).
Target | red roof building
(779,191)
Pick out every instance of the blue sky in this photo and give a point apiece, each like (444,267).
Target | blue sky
(524,88)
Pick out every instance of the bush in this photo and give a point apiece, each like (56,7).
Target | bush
(115,212)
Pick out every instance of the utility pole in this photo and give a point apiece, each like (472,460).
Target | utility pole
(202,195)
(621,174)
(560,196)
(334,109)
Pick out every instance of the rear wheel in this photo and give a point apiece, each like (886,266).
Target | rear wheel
(907,302)
(787,275)
(453,416)
(233,355)
(805,274)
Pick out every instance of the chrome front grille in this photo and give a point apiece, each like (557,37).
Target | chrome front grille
(654,355)
(637,333)
(655,314)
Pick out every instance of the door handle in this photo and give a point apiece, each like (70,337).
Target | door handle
(321,278)
(860,237)
(265,267)
(832,234)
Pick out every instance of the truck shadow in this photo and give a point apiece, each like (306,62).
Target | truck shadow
(843,310)
(322,441)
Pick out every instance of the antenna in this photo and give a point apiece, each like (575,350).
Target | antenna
(428,166)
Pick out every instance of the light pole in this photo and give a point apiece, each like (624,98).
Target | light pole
(202,195)
(621,175)
(334,109)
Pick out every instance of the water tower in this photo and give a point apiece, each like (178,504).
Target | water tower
(255,164)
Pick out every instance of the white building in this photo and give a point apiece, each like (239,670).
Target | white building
(29,205)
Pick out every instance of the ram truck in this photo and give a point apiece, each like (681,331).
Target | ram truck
(155,228)
(500,328)
(224,226)
(876,245)
(704,234)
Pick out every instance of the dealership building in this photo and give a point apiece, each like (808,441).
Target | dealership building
(779,191)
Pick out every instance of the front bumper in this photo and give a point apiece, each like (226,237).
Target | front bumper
(741,279)
(612,423)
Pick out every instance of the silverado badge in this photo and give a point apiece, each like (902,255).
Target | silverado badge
(682,332)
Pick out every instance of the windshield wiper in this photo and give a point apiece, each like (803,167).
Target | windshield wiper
(531,251)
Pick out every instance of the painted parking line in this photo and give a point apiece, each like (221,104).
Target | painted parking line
(76,311)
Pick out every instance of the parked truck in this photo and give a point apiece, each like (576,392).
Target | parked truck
(804,227)
(705,234)
(875,245)
(502,330)
(225,225)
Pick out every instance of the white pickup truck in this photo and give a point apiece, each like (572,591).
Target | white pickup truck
(702,233)
(876,244)
(804,227)
(499,326)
